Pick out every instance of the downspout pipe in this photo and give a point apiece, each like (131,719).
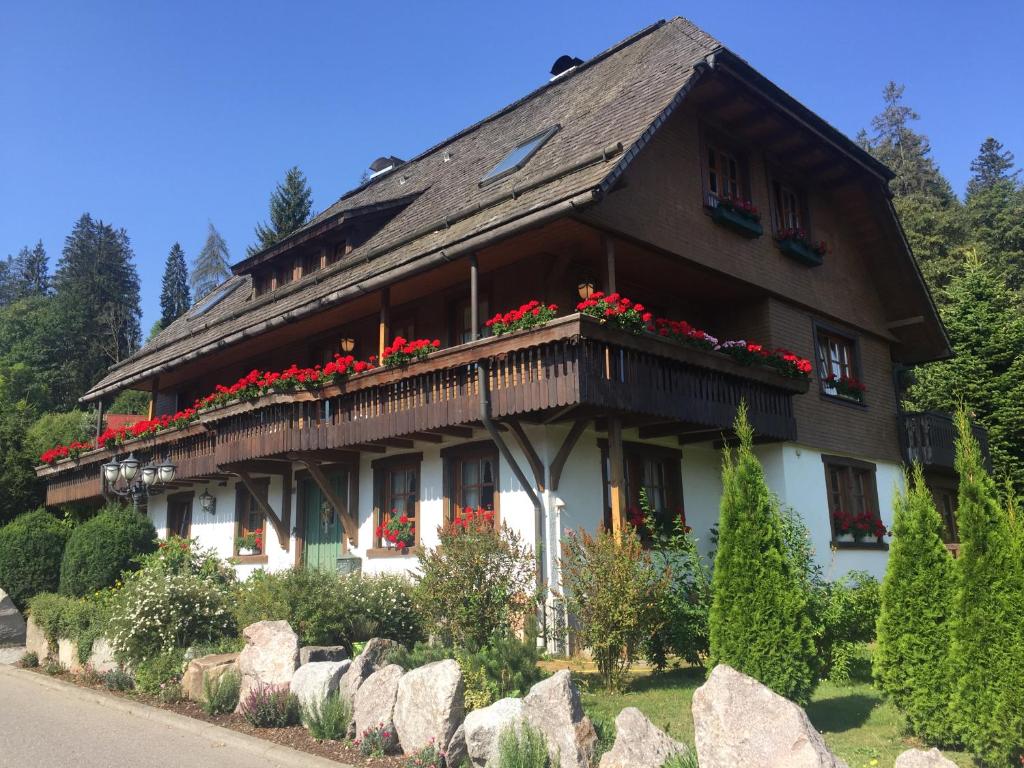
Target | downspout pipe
(538,507)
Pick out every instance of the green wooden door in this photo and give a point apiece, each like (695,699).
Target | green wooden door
(323,528)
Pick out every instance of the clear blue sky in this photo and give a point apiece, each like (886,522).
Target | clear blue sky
(160,116)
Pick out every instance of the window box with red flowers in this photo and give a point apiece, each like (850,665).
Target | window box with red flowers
(846,387)
(741,216)
(402,351)
(796,244)
(250,543)
(397,532)
(617,311)
(532,314)
(857,528)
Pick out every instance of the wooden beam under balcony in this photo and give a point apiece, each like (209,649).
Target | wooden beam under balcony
(347,519)
(281,525)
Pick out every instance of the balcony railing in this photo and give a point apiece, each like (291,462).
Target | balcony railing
(572,362)
(929,438)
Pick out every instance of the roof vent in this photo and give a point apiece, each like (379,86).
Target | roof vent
(563,65)
(382,165)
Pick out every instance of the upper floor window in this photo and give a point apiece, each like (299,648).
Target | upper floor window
(838,368)
(471,477)
(463,330)
(724,177)
(789,207)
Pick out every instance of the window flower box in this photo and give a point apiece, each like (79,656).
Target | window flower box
(736,219)
(795,244)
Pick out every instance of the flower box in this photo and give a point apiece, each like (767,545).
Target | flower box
(738,222)
(800,251)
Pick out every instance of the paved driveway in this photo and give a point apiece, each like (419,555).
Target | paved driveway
(43,727)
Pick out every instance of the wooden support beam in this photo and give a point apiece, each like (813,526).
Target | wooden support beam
(396,442)
(262,466)
(326,455)
(152,396)
(350,523)
(558,414)
(368,448)
(699,436)
(555,470)
(530,452)
(427,437)
(609,255)
(463,432)
(385,321)
(617,491)
(474,298)
(283,534)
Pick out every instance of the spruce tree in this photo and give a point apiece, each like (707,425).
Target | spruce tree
(211,267)
(993,165)
(175,298)
(33,271)
(995,211)
(987,631)
(911,662)
(8,282)
(290,207)
(760,621)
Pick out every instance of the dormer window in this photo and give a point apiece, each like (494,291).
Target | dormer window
(285,273)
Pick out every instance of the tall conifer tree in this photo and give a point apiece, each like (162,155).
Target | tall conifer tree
(33,271)
(995,211)
(175,298)
(211,267)
(290,207)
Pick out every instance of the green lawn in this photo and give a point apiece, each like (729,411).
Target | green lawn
(858,725)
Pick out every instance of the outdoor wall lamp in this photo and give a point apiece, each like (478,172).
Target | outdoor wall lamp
(347,345)
(208,502)
(585,289)
(129,479)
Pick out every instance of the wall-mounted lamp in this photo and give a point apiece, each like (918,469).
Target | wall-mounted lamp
(208,502)
(585,289)
(347,345)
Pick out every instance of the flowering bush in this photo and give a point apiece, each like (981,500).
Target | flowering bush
(401,351)
(377,741)
(682,331)
(428,757)
(399,530)
(270,706)
(529,315)
(846,386)
(741,206)
(617,311)
(860,525)
(798,235)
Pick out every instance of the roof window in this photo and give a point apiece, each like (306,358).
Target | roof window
(519,156)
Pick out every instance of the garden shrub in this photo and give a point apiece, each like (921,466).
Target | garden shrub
(29,660)
(220,694)
(430,757)
(103,547)
(328,720)
(479,582)
(118,680)
(616,594)
(377,741)
(170,604)
(850,608)
(81,619)
(911,660)
(270,706)
(31,548)
(987,645)
(760,620)
(326,608)
(155,674)
(522,747)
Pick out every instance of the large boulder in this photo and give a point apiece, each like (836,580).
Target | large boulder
(35,640)
(212,667)
(739,721)
(456,755)
(269,658)
(918,758)
(553,707)
(638,743)
(373,657)
(374,702)
(101,657)
(314,682)
(67,655)
(430,705)
(12,623)
(483,727)
(308,653)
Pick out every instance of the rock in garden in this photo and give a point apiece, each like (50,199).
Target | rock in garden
(918,758)
(374,702)
(101,658)
(553,707)
(308,653)
(365,664)
(739,721)
(12,623)
(455,754)
(212,667)
(639,743)
(430,705)
(270,656)
(67,655)
(483,727)
(314,682)
(35,640)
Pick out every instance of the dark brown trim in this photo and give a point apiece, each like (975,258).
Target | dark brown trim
(830,460)
(819,326)
(846,461)
(380,468)
(401,458)
(475,450)
(245,488)
(657,451)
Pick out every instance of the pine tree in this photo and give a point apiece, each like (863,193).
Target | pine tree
(97,290)
(993,165)
(929,211)
(995,211)
(8,282)
(175,298)
(760,622)
(211,267)
(987,631)
(290,208)
(33,271)
(911,662)
(985,322)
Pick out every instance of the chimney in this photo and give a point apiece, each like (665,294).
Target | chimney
(563,65)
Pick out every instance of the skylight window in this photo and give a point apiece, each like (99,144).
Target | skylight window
(519,156)
(217,298)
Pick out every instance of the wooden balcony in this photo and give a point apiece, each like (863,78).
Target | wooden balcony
(574,366)
(929,438)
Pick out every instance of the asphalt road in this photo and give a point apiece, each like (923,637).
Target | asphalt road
(45,728)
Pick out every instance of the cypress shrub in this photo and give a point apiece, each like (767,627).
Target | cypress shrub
(760,620)
(31,548)
(104,546)
(911,660)
(987,648)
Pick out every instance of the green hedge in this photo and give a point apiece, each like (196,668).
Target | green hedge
(101,548)
(31,547)
(79,619)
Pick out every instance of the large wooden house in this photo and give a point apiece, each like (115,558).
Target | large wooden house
(630,172)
